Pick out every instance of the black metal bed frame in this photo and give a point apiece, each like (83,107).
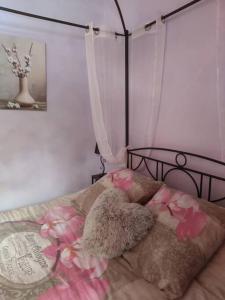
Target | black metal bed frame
(159,169)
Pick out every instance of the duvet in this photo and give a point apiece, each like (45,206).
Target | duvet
(41,259)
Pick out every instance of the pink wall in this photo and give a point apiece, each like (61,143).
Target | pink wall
(47,154)
(188,116)
(189,113)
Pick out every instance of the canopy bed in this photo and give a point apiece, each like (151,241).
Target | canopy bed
(41,255)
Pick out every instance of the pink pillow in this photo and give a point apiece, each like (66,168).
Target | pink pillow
(180,212)
(139,188)
(186,234)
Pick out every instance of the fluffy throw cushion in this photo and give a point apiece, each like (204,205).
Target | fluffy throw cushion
(185,236)
(138,187)
(114,225)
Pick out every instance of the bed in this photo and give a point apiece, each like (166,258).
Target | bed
(41,258)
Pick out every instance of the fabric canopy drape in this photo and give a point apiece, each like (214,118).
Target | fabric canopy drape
(105,64)
(147,65)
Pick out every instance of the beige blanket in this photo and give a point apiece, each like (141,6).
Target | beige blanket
(41,258)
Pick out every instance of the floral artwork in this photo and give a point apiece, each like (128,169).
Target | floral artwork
(22,74)
(79,275)
(182,210)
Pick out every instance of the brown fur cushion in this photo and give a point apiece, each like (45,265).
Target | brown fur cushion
(114,225)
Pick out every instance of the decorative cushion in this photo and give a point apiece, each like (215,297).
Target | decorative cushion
(181,242)
(139,188)
(114,225)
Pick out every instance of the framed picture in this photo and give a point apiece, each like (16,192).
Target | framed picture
(23,84)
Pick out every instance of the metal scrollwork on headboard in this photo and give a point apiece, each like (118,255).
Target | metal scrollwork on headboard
(160,169)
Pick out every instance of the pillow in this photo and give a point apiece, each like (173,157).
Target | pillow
(181,242)
(138,187)
(114,225)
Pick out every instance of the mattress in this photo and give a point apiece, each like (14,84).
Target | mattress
(41,259)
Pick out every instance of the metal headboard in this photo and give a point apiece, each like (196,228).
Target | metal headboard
(159,169)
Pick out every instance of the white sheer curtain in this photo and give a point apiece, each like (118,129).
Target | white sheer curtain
(147,66)
(221,73)
(105,63)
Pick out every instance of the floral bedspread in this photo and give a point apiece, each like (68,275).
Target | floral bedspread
(42,259)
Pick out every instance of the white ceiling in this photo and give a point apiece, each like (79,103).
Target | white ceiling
(136,12)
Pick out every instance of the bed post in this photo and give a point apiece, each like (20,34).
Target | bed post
(126,34)
(127,86)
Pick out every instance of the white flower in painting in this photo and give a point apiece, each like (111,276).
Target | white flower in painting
(17,106)
(12,105)
(9,104)
(27,70)
(27,57)
(8,51)
(28,64)
(10,59)
(19,68)
(36,106)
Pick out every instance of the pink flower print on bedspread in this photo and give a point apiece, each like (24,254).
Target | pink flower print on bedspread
(79,275)
(122,179)
(75,256)
(192,224)
(62,222)
(183,208)
(71,255)
(79,288)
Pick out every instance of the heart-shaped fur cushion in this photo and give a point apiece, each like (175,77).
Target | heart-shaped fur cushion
(114,225)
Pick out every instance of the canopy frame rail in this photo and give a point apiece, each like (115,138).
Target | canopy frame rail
(172,13)
(26,14)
